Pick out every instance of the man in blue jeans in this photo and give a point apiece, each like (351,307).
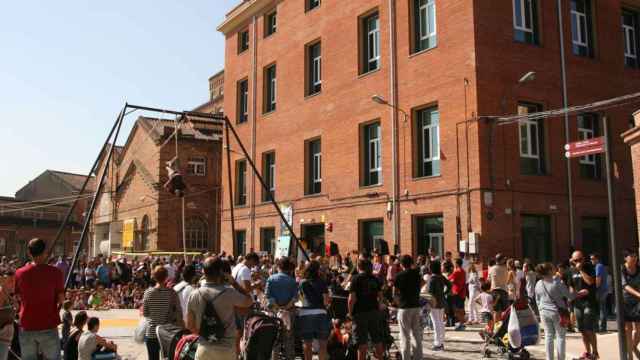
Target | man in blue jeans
(602,290)
(41,290)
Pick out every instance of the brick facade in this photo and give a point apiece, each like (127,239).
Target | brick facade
(471,73)
(632,138)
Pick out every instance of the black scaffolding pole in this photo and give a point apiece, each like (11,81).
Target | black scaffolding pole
(230,185)
(89,214)
(265,188)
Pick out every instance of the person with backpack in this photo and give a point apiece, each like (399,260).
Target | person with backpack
(281,292)
(364,309)
(211,309)
(314,323)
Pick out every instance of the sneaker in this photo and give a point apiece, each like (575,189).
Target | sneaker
(460,327)
(438,348)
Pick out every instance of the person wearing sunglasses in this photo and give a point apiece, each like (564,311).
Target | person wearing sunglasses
(583,285)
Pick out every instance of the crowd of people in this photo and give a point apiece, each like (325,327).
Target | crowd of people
(429,292)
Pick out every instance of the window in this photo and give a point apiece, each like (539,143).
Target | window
(429,234)
(240,243)
(428,142)
(372,150)
(311,4)
(269,175)
(197,166)
(314,167)
(268,240)
(595,237)
(270,23)
(370,43)
(241,182)
(525,21)
(314,72)
(243,101)
(270,88)
(630,31)
(144,233)
(197,235)
(582,27)
(589,128)
(536,238)
(371,232)
(532,159)
(424,25)
(243,41)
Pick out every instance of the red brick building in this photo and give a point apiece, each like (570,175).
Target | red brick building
(299,79)
(136,214)
(632,138)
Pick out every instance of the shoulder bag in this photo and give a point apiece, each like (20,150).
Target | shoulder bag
(565,316)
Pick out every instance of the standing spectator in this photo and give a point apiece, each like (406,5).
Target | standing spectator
(281,292)
(104,273)
(550,296)
(364,308)
(379,268)
(583,284)
(62,265)
(161,306)
(530,279)
(225,300)
(498,276)
(41,291)
(71,346)
(513,282)
(7,285)
(438,286)
(313,319)
(458,294)
(631,299)
(602,290)
(394,269)
(123,270)
(67,319)
(185,287)
(473,280)
(407,290)
(241,273)
(171,270)
(90,342)
(90,275)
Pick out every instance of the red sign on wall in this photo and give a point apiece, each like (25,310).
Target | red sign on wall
(585,147)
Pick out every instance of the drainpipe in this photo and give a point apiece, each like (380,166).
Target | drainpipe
(254,111)
(393,84)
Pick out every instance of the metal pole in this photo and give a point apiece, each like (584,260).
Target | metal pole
(233,220)
(266,189)
(82,189)
(567,135)
(394,129)
(184,231)
(615,266)
(89,215)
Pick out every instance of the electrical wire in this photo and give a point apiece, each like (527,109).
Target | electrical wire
(48,200)
(12,210)
(572,110)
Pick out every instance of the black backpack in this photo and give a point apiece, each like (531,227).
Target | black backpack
(212,329)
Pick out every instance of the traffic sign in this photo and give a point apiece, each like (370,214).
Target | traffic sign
(585,147)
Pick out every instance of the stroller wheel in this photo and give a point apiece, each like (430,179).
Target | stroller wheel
(524,355)
(510,356)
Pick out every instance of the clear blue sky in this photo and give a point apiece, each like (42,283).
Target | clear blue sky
(67,67)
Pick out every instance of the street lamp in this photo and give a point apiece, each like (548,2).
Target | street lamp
(530,76)
(380,100)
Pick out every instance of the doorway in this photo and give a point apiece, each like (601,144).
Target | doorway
(313,238)
(536,238)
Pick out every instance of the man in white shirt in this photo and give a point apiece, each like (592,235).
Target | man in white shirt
(241,273)
(185,287)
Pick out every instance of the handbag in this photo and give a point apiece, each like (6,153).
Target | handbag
(565,316)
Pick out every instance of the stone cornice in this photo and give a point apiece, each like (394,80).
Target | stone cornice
(242,13)
(631,137)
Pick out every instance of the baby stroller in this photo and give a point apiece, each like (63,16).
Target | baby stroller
(168,337)
(499,343)
(261,333)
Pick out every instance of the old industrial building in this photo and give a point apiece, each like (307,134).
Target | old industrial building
(372,120)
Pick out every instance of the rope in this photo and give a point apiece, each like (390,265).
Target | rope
(184,230)
(12,210)
(68,197)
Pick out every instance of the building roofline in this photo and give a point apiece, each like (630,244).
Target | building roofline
(241,13)
(216,74)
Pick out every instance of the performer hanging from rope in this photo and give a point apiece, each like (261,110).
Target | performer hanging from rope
(175,184)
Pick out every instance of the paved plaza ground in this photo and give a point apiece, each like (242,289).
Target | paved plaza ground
(118,325)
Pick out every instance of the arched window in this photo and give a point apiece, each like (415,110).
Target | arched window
(197,235)
(144,233)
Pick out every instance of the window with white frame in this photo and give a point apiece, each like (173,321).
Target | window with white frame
(372,154)
(270,88)
(630,31)
(424,24)
(589,128)
(531,134)
(270,23)
(243,101)
(243,41)
(241,183)
(311,4)
(269,174)
(371,42)
(525,21)
(582,28)
(314,167)
(197,166)
(314,61)
(428,142)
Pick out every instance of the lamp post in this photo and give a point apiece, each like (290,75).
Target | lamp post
(394,160)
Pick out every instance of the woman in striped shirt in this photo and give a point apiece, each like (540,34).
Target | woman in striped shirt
(160,307)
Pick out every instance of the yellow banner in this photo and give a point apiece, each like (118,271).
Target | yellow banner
(128,233)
